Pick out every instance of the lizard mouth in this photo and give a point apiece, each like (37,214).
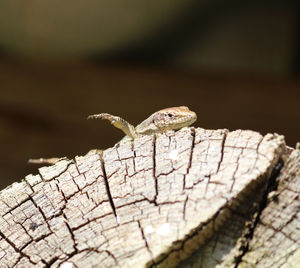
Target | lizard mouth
(184,121)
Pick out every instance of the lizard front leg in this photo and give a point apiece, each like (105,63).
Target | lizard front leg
(117,122)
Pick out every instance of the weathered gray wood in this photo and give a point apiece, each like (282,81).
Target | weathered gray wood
(152,202)
(276,239)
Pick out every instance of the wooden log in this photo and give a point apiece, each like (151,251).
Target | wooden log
(182,198)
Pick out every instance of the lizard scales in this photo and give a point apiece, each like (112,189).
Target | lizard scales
(160,121)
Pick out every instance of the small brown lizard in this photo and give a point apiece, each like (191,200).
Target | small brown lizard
(169,118)
(166,119)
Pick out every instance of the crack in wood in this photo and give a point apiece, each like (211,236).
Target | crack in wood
(42,213)
(193,134)
(154,169)
(145,239)
(71,233)
(180,244)
(236,169)
(271,185)
(15,207)
(222,151)
(50,262)
(107,187)
(16,249)
(70,162)
(88,250)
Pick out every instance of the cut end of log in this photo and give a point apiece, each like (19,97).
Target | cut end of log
(151,202)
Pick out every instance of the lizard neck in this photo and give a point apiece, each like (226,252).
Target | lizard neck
(146,127)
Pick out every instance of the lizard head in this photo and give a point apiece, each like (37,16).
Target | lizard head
(174,118)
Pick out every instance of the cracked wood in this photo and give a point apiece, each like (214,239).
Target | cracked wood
(150,202)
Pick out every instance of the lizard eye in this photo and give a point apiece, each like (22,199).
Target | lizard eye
(170,115)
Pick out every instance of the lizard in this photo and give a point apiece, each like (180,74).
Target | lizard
(172,118)
(166,119)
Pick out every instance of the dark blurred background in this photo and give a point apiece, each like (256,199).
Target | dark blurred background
(236,64)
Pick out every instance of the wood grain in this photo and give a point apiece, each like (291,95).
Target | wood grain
(147,203)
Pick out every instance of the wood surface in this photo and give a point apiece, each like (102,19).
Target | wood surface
(186,198)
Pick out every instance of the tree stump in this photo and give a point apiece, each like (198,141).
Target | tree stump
(191,198)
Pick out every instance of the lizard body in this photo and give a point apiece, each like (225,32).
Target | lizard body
(166,119)
(163,120)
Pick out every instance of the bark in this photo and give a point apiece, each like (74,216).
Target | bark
(191,198)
